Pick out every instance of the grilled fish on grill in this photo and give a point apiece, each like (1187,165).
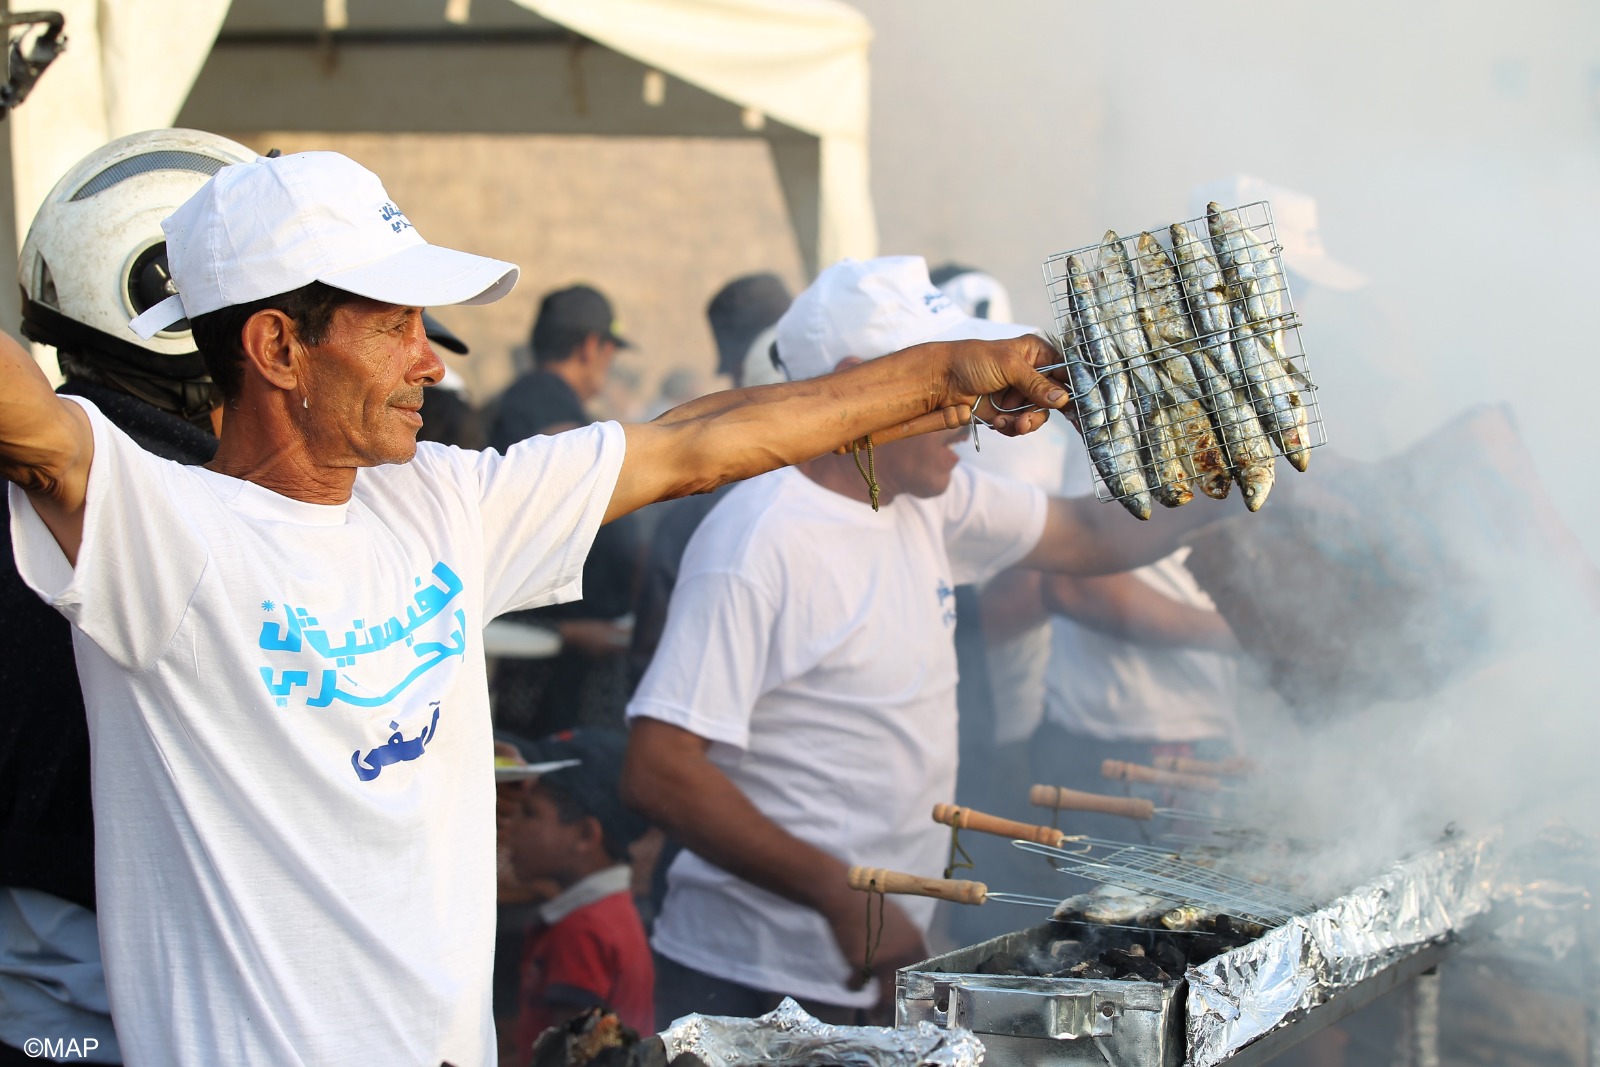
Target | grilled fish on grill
(1214,364)
(1254,307)
(1163,438)
(1166,326)
(1112,442)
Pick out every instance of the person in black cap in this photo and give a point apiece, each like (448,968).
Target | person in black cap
(575,340)
(740,312)
(447,416)
(574,343)
(588,949)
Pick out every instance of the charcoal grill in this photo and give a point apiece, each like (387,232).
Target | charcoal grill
(1240,1007)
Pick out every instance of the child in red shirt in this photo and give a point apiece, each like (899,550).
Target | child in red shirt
(589,947)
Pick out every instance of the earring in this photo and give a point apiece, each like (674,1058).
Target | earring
(305,402)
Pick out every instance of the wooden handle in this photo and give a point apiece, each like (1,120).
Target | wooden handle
(878,880)
(1055,796)
(1230,768)
(967,819)
(1133,772)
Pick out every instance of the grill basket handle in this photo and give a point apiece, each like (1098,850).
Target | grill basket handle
(878,880)
(1118,770)
(1060,797)
(1229,768)
(967,819)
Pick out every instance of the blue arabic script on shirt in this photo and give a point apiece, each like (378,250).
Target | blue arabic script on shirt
(301,631)
(396,750)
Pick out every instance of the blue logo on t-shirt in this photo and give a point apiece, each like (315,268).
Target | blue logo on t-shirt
(301,632)
(946,593)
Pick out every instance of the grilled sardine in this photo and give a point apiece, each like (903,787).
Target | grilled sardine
(1166,327)
(1163,437)
(1212,359)
(1111,441)
(1254,312)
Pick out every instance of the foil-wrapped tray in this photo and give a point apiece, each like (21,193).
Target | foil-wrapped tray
(788,1036)
(1274,981)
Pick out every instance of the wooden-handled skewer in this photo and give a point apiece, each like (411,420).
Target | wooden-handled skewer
(967,819)
(878,880)
(1134,772)
(1229,768)
(1055,796)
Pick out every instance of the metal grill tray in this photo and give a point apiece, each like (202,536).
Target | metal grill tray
(1164,873)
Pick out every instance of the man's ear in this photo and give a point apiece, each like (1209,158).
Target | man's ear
(270,343)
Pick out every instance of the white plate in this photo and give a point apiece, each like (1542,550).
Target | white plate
(527,771)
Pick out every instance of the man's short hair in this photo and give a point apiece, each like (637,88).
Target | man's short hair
(219,335)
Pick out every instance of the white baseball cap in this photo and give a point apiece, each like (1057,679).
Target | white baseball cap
(870,308)
(260,229)
(1294,217)
(977,294)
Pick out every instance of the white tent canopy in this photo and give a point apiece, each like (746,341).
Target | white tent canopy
(803,62)
(132,65)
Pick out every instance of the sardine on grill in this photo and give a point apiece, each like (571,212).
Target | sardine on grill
(1112,441)
(1165,320)
(1162,439)
(1255,309)
(1215,366)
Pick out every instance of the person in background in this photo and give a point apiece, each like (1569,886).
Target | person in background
(743,315)
(1141,666)
(447,414)
(1002,664)
(94,243)
(587,948)
(799,715)
(575,340)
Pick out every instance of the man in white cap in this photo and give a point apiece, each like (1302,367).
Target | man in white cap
(799,715)
(279,651)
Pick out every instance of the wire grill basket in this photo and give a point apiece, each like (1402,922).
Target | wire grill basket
(1184,359)
(1166,874)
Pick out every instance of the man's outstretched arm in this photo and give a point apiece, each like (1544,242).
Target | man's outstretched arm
(744,432)
(46,446)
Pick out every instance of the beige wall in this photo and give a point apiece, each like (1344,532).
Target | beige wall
(658,224)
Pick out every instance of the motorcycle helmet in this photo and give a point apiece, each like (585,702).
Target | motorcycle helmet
(95,257)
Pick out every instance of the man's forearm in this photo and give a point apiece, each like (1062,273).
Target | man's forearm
(1084,536)
(1124,607)
(730,436)
(698,806)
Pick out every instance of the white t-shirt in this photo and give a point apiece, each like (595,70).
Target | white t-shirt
(291,747)
(811,641)
(1017,664)
(1116,690)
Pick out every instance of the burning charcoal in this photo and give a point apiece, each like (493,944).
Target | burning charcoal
(1091,969)
(1170,957)
(1129,964)
(1144,969)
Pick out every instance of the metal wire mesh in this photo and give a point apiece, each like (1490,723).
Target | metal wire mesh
(1183,355)
(1165,874)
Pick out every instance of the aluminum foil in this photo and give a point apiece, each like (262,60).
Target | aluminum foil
(789,1037)
(1256,988)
